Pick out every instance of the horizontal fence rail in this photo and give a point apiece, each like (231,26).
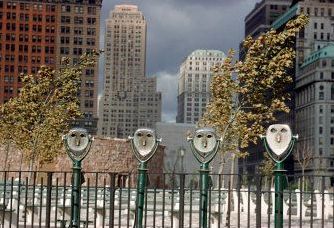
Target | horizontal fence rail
(43,199)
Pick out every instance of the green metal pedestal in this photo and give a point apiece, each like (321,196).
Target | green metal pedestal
(204,183)
(279,179)
(140,201)
(76,194)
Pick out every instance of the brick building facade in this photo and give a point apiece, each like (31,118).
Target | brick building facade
(35,33)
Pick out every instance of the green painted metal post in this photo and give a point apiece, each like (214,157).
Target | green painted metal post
(279,178)
(140,201)
(76,194)
(204,183)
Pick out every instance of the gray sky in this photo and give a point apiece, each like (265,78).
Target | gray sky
(175,28)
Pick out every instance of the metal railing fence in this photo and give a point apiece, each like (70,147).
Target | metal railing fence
(43,199)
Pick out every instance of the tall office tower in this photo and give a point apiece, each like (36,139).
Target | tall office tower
(35,33)
(315,112)
(194,84)
(257,22)
(130,99)
(28,34)
(314,84)
(78,33)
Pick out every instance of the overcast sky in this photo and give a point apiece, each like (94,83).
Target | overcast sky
(175,28)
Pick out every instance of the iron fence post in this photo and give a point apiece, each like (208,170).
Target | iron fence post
(181,200)
(112,199)
(48,199)
(140,201)
(76,194)
(279,172)
(258,201)
(204,183)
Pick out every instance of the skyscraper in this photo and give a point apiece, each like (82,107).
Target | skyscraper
(78,32)
(130,99)
(194,84)
(259,20)
(35,33)
(313,87)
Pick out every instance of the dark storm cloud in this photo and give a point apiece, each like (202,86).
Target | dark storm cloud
(175,28)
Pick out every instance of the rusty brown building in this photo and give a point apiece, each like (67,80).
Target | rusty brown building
(41,32)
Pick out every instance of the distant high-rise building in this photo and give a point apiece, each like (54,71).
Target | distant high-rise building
(130,100)
(36,33)
(78,32)
(313,87)
(194,84)
(259,20)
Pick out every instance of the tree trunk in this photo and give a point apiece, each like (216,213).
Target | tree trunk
(232,171)
(21,160)
(221,170)
(32,165)
(6,156)
(303,179)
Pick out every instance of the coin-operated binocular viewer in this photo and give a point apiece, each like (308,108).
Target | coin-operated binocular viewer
(77,143)
(204,144)
(279,143)
(144,144)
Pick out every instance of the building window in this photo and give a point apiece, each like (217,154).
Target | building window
(91,20)
(321,96)
(78,20)
(91,10)
(321,141)
(65,40)
(77,51)
(91,31)
(324,63)
(77,40)
(66,8)
(78,9)
(65,29)
(91,41)
(64,50)
(78,30)
(65,19)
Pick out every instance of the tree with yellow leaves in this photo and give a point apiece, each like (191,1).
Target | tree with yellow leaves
(36,119)
(247,95)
